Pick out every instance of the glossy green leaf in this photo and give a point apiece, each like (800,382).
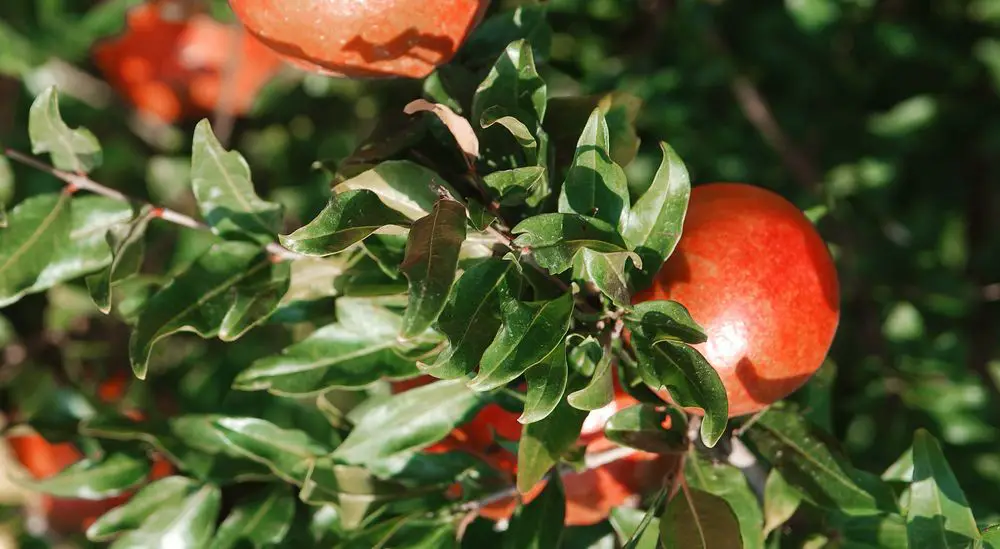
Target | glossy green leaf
(606,271)
(698,520)
(902,469)
(938,515)
(595,185)
(287,452)
(127,248)
(408,188)
(884,531)
(386,250)
(71,150)
(526,185)
(664,321)
(991,537)
(524,137)
(430,263)
(547,383)
(530,331)
(431,412)
(188,524)
(690,379)
(261,520)
(513,85)
(599,391)
(471,318)
(808,463)
(164,493)
(95,479)
(727,482)
(544,442)
(225,192)
(539,524)
(781,500)
(554,239)
(638,529)
(37,228)
(641,427)
(656,219)
(349,217)
(355,351)
(219,291)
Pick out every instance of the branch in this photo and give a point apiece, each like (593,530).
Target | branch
(75,182)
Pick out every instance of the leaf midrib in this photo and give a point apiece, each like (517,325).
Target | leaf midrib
(42,227)
(216,158)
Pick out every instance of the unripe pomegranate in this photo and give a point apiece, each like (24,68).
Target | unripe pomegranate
(756,275)
(363,38)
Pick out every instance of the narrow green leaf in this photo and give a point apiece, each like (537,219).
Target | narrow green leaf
(526,185)
(529,333)
(544,442)
(38,228)
(254,299)
(430,413)
(657,217)
(471,318)
(225,192)
(641,427)
(727,482)
(513,85)
(166,492)
(349,217)
(698,520)
(71,150)
(355,351)
(595,185)
(408,188)
(638,529)
(600,391)
(127,248)
(781,500)
(539,524)
(261,520)
(606,271)
(287,452)
(188,524)
(430,264)
(547,383)
(479,217)
(939,515)
(554,239)
(664,321)
(218,289)
(95,480)
(902,469)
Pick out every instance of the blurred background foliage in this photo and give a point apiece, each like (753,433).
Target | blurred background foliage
(880,118)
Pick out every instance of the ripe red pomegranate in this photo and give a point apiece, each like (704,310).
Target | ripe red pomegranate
(756,275)
(173,69)
(362,38)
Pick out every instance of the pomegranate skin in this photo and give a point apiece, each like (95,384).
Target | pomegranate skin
(362,38)
(756,275)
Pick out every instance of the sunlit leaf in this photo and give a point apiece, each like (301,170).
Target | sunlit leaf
(408,188)
(595,185)
(606,271)
(781,500)
(698,520)
(349,217)
(95,479)
(554,239)
(938,514)
(37,228)
(727,482)
(185,524)
(547,383)
(261,520)
(164,493)
(599,391)
(71,150)
(663,320)
(514,86)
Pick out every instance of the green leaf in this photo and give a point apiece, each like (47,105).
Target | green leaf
(217,295)
(606,271)
(530,331)
(95,480)
(355,492)
(430,264)
(728,483)
(991,537)
(595,185)
(513,87)
(781,500)
(938,515)
(527,185)
(638,529)
(539,524)
(37,228)
(187,524)
(544,442)
(355,351)
(479,217)
(287,452)
(902,469)
(554,239)
(547,383)
(600,391)
(225,192)
(884,531)
(430,413)
(164,493)
(262,520)
(657,217)
(495,116)
(408,188)
(808,463)
(471,318)
(127,248)
(698,520)
(690,379)
(386,250)
(664,320)
(71,150)
(567,115)
(641,427)
(349,217)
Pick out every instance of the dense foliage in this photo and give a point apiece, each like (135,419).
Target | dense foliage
(341,235)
